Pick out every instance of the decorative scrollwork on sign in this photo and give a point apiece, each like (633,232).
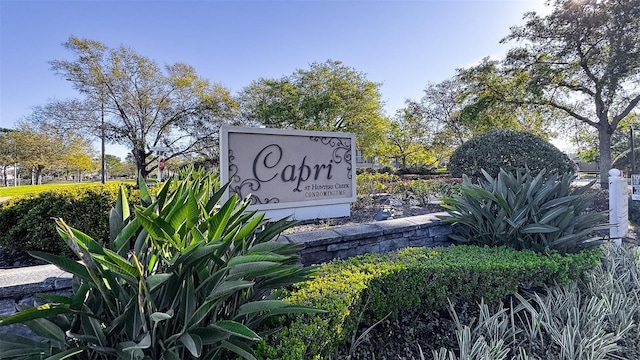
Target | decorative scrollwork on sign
(341,152)
(233,168)
(247,186)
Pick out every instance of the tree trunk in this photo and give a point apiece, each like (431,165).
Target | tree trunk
(39,169)
(604,140)
(4,175)
(141,156)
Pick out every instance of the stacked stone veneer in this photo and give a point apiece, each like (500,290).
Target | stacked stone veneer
(379,237)
(319,246)
(20,287)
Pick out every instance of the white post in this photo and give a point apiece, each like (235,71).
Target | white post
(618,206)
(160,167)
(161,151)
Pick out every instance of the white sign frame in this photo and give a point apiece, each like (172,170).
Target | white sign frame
(635,187)
(225,164)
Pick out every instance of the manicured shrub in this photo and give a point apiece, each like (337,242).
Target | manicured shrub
(509,150)
(26,221)
(525,212)
(408,280)
(188,277)
(417,170)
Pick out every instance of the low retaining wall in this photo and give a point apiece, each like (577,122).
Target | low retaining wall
(19,286)
(379,237)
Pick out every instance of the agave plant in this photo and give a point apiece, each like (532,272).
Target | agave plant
(524,211)
(183,277)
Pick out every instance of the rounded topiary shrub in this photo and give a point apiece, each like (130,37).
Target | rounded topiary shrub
(509,150)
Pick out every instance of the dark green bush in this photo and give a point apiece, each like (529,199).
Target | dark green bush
(509,150)
(525,212)
(26,222)
(411,279)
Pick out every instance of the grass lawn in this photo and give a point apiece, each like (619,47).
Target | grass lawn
(10,191)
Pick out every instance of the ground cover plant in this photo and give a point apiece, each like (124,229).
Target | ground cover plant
(421,192)
(182,276)
(594,319)
(424,192)
(369,185)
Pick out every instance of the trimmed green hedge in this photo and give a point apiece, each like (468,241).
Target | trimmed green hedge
(414,278)
(26,221)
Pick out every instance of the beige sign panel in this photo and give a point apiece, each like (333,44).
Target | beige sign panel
(288,168)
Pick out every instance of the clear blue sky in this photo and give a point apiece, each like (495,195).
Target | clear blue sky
(402,44)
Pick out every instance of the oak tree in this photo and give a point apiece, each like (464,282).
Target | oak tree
(136,103)
(472,102)
(584,60)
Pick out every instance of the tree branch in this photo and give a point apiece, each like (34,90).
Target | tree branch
(569,111)
(632,104)
(579,88)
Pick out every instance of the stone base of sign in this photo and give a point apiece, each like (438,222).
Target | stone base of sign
(311,212)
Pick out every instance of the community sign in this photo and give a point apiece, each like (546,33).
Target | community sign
(290,170)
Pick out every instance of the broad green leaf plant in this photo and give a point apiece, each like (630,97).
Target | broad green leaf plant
(183,277)
(525,211)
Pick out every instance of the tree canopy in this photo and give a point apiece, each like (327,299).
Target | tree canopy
(328,96)
(41,148)
(471,103)
(584,60)
(410,137)
(490,100)
(140,105)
